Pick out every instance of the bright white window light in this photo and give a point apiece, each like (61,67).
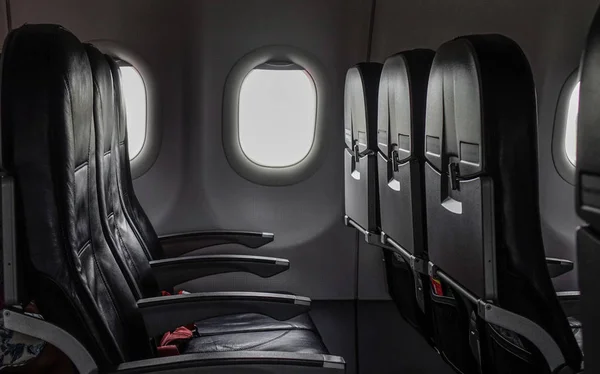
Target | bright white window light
(134,93)
(277,116)
(571,127)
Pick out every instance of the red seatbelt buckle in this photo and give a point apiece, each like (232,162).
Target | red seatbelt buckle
(167,350)
(436,286)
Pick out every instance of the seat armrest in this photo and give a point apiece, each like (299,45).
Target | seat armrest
(173,271)
(570,302)
(558,266)
(165,313)
(235,362)
(178,244)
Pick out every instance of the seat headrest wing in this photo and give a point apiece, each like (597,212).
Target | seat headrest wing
(360,106)
(401,103)
(454,114)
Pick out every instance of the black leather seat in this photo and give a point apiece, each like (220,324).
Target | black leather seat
(587,192)
(400,140)
(482,204)
(47,135)
(247,330)
(360,135)
(50,103)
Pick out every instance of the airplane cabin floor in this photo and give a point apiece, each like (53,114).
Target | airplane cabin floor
(387,344)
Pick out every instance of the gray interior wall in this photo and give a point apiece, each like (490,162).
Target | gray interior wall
(552,35)
(190,46)
(3,22)
(306,217)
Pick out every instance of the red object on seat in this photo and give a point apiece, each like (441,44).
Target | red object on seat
(181,333)
(168,350)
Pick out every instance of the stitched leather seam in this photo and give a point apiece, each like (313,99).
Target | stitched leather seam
(85,246)
(81,166)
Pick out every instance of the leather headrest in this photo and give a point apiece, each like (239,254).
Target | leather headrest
(52,89)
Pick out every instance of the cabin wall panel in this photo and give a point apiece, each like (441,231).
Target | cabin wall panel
(306,217)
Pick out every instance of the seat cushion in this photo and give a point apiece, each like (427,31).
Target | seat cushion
(255,332)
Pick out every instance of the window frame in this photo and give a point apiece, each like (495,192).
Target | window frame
(144,160)
(122,63)
(563,165)
(277,57)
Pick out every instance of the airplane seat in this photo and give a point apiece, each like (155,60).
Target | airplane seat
(47,135)
(400,134)
(484,236)
(53,95)
(360,134)
(587,192)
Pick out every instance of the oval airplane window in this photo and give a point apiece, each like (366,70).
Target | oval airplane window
(571,125)
(277,115)
(274,101)
(134,95)
(564,137)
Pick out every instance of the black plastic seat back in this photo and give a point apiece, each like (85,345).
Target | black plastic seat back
(482,192)
(400,133)
(588,195)
(48,145)
(360,134)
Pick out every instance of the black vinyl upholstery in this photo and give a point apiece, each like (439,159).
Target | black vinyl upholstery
(48,145)
(360,135)
(400,142)
(587,191)
(254,332)
(482,190)
(237,332)
(117,225)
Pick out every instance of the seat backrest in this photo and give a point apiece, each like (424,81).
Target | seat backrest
(132,207)
(48,145)
(360,134)
(117,224)
(587,186)
(400,133)
(481,181)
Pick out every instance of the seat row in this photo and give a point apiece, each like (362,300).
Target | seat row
(441,172)
(94,265)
